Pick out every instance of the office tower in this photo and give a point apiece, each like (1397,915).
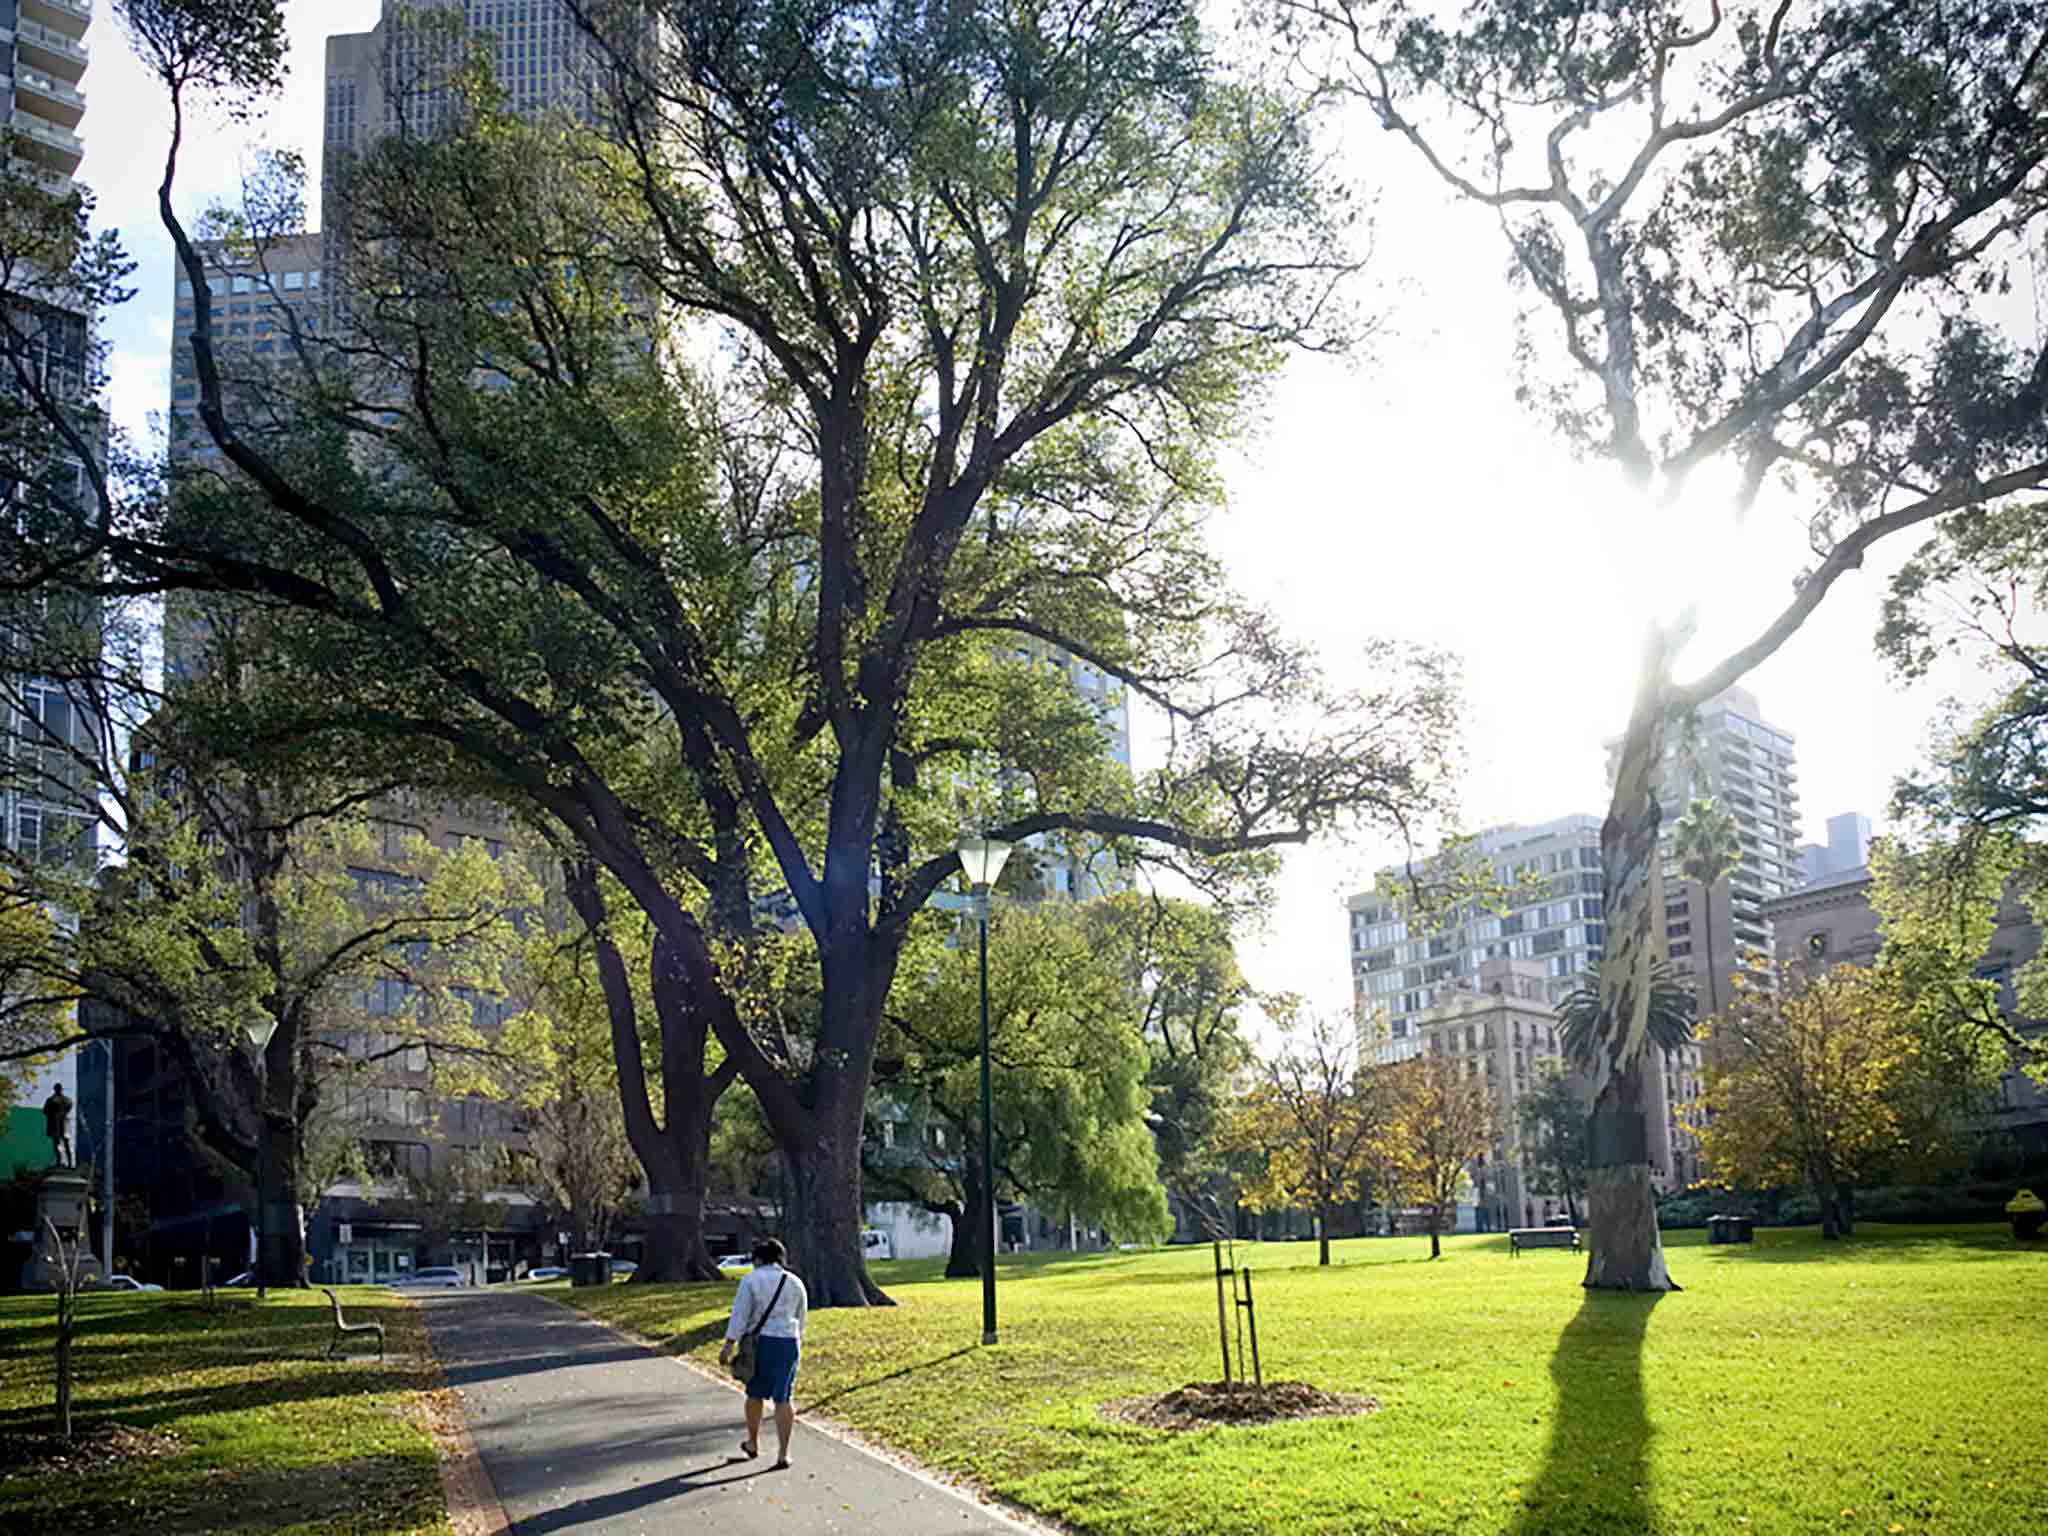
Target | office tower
(394,77)
(270,295)
(262,293)
(1401,967)
(1847,849)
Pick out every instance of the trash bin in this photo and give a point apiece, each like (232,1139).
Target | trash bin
(590,1269)
(1730,1229)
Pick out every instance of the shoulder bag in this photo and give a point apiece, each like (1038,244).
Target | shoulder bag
(745,1351)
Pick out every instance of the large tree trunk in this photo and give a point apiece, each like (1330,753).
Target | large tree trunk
(963,1257)
(825,1224)
(282,1251)
(281,1110)
(1837,1208)
(675,1153)
(1323,1235)
(825,1214)
(676,1177)
(1625,1252)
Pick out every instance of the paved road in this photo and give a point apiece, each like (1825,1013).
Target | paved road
(584,1431)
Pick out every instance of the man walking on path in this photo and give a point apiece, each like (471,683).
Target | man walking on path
(769,1307)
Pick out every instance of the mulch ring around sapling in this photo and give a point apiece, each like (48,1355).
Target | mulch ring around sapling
(94,1446)
(1208,1404)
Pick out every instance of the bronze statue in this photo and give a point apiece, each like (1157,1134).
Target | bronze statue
(57,1126)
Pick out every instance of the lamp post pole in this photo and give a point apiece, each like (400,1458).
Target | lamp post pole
(988,1148)
(259,1026)
(107,1169)
(981,860)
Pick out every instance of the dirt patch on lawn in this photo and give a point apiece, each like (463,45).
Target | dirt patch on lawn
(1207,1404)
(91,1448)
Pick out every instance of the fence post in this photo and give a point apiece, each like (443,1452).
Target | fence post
(1222,1316)
(1252,1316)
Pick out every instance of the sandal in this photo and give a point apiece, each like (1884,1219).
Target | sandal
(749,1449)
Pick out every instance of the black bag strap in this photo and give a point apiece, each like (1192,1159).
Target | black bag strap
(769,1310)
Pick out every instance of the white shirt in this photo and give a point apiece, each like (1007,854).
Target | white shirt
(785,1319)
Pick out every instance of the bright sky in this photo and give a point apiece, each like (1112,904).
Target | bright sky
(1407,494)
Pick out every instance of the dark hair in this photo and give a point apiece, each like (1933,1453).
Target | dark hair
(769,1250)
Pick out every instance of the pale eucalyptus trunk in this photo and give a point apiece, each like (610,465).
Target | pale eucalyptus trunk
(1625,1251)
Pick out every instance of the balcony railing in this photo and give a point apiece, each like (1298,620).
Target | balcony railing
(51,97)
(56,51)
(60,148)
(70,17)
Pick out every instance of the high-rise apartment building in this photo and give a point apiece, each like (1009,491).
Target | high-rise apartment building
(45,799)
(42,107)
(1401,966)
(1733,756)
(42,62)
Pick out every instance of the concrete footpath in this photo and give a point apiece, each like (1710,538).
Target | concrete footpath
(582,1430)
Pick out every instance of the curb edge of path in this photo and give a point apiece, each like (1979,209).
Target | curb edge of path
(967,1491)
(466,1487)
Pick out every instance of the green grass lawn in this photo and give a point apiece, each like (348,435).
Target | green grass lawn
(1896,1383)
(272,1436)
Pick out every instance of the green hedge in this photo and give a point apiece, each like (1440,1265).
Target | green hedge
(1936,1203)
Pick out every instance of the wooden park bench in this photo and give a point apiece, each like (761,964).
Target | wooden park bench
(343,1328)
(1541,1237)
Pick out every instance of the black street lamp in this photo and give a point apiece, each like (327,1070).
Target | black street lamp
(259,1025)
(981,859)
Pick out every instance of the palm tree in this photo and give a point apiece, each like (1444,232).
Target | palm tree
(1673,1007)
(1709,849)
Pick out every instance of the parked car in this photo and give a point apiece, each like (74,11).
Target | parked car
(548,1272)
(127,1283)
(444,1277)
(624,1269)
(736,1261)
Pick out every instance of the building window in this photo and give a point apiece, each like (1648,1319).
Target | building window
(294,281)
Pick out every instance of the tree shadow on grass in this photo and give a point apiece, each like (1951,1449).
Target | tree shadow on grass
(1595,1475)
(164,1407)
(895,1375)
(182,1495)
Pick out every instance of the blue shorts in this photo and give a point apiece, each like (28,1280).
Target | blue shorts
(774,1369)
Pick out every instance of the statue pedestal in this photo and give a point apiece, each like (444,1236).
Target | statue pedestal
(61,1200)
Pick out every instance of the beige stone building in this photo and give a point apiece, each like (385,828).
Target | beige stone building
(1831,922)
(1502,1032)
